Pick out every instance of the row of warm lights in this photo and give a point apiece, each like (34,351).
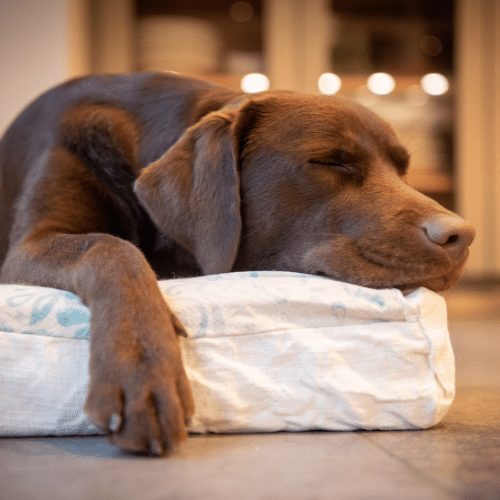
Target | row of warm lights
(329,83)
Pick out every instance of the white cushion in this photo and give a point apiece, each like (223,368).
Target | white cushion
(266,351)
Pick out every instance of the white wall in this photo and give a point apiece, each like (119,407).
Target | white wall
(42,42)
(478,129)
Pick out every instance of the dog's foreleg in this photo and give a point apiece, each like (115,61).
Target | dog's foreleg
(138,389)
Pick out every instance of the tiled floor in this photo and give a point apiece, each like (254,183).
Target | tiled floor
(460,458)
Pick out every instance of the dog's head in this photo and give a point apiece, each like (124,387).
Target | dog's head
(303,183)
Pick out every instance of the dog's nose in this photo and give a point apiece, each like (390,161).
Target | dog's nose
(450,232)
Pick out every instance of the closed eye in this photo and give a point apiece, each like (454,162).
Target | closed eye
(328,163)
(337,158)
(348,168)
(334,164)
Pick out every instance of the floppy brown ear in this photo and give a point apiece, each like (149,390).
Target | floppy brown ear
(192,192)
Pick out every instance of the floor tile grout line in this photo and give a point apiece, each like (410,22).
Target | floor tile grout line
(444,488)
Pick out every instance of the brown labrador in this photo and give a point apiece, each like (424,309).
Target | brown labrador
(111,182)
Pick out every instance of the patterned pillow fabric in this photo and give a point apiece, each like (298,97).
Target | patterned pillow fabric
(266,351)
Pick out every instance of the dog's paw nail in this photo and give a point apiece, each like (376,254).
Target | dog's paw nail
(115,422)
(156,448)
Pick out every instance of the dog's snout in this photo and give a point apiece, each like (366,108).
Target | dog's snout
(450,232)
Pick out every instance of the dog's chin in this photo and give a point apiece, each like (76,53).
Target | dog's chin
(437,283)
(351,265)
(434,278)
(434,283)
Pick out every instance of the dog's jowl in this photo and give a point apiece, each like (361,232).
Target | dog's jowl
(111,182)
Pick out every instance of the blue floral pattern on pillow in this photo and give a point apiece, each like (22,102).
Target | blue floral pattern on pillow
(259,307)
(43,311)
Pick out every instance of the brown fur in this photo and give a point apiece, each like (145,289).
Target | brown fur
(277,181)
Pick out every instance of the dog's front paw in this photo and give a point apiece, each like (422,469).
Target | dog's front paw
(141,397)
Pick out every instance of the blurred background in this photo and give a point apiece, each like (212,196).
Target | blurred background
(430,67)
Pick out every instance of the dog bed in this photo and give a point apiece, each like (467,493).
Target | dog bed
(266,351)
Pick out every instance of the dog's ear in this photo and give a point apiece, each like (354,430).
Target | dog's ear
(192,191)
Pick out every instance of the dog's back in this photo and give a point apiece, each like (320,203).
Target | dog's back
(162,105)
(26,143)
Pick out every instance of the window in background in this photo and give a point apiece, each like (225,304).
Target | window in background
(394,56)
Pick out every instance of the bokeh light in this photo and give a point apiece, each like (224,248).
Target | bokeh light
(431,45)
(329,83)
(241,12)
(435,84)
(254,82)
(381,83)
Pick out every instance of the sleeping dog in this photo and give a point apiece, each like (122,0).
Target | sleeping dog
(111,182)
